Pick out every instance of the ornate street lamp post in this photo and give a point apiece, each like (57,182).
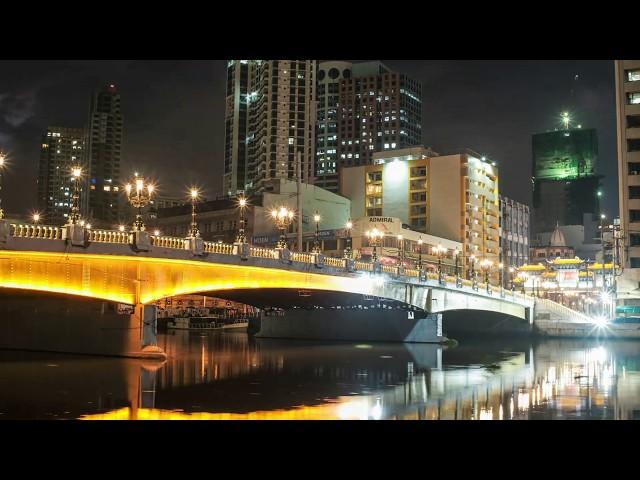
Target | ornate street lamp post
(419,265)
(316,238)
(242,204)
(139,195)
(472,271)
(511,272)
(374,237)
(456,253)
(501,270)
(400,250)
(74,217)
(348,252)
(194,231)
(283,218)
(439,251)
(486,266)
(2,157)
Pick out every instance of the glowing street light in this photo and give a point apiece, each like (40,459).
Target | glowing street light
(439,251)
(283,217)
(242,204)
(2,163)
(456,254)
(121,228)
(374,237)
(486,267)
(139,195)
(156,232)
(194,231)
(316,240)
(74,217)
(347,250)
(566,119)
(36,218)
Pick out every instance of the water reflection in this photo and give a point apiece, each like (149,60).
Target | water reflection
(231,376)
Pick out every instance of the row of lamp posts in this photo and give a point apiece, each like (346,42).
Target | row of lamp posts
(139,195)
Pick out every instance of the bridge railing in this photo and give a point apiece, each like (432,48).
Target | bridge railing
(108,236)
(367,267)
(335,262)
(302,257)
(389,269)
(169,242)
(565,313)
(218,247)
(36,231)
(261,252)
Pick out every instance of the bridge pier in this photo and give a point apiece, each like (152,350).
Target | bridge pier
(58,323)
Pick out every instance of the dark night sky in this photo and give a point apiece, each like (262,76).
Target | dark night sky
(174,125)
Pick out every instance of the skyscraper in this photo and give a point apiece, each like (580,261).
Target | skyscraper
(269,119)
(628,115)
(565,184)
(104,155)
(329,76)
(61,149)
(380,110)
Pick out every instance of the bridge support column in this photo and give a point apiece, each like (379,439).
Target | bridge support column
(5,230)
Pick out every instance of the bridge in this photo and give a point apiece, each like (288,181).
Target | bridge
(137,269)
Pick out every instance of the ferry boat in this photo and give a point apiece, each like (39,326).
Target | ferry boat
(207,323)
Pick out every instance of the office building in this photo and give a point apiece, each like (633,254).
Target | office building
(380,110)
(269,120)
(514,232)
(329,76)
(451,196)
(565,184)
(61,149)
(627,74)
(105,133)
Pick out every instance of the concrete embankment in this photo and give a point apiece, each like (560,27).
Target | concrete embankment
(546,328)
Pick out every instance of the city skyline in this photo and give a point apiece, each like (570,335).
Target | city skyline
(175,115)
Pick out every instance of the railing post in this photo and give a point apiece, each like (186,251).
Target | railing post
(349,264)
(5,231)
(318,259)
(140,240)
(195,244)
(377,268)
(241,250)
(75,235)
(284,255)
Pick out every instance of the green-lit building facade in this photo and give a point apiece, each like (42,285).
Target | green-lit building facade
(565,183)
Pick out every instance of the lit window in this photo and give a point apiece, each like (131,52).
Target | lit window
(393,145)
(290,140)
(386,145)
(633,98)
(633,75)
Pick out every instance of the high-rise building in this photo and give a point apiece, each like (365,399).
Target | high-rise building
(380,110)
(104,155)
(450,196)
(565,184)
(628,113)
(329,76)
(270,119)
(627,73)
(514,232)
(61,149)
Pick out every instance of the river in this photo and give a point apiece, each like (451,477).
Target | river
(232,376)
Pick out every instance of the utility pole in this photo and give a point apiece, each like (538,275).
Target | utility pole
(299,198)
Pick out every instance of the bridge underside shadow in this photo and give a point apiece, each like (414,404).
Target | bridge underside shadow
(472,323)
(287,298)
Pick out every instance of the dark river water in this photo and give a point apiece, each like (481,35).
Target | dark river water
(232,376)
